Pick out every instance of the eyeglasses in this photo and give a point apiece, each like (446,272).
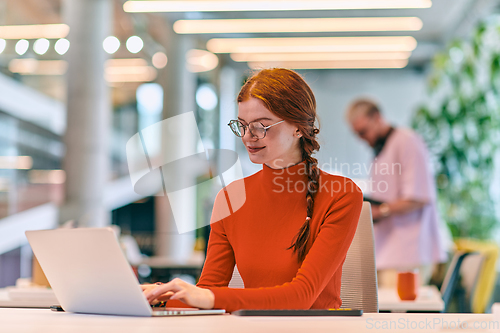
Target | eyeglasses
(257,129)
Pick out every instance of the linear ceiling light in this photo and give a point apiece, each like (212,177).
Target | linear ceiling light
(129,70)
(364,64)
(313,44)
(47,176)
(298,25)
(129,73)
(263,57)
(126,62)
(16,162)
(116,70)
(34,31)
(268,5)
(201,61)
(31,66)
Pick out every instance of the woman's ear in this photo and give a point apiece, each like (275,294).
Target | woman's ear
(297,133)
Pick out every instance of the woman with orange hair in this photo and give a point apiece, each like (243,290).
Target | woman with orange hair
(290,237)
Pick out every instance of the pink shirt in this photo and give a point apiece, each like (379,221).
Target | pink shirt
(402,171)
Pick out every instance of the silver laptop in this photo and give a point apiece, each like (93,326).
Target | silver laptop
(89,273)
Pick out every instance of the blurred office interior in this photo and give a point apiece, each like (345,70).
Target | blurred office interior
(80,78)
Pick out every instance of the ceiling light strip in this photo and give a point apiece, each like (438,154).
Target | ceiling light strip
(16,162)
(313,44)
(34,31)
(31,66)
(329,56)
(269,5)
(147,76)
(371,64)
(116,70)
(126,62)
(298,25)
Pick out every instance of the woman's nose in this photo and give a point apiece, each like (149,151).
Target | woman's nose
(249,136)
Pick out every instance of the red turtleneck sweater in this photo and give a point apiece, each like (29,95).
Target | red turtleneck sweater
(257,235)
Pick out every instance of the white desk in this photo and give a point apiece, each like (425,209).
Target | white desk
(46,321)
(43,299)
(428,300)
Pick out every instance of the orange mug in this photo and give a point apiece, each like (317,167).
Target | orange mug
(407,285)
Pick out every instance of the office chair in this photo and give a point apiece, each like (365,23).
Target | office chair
(485,284)
(451,278)
(470,273)
(236,280)
(359,277)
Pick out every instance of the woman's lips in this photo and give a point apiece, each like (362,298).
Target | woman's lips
(254,149)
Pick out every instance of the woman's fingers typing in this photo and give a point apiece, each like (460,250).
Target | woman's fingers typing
(158,292)
(180,290)
(166,296)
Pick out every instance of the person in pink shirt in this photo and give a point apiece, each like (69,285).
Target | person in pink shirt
(408,231)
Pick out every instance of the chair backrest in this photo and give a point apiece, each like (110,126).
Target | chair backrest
(469,273)
(359,275)
(451,278)
(466,268)
(485,286)
(236,280)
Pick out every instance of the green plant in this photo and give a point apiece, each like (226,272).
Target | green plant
(461,125)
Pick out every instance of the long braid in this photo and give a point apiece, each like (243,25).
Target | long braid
(299,243)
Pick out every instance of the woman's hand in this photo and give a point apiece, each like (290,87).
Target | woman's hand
(180,290)
(376,213)
(148,288)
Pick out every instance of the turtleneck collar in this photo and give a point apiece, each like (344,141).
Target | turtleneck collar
(291,179)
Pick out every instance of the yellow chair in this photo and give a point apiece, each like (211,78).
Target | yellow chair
(487,275)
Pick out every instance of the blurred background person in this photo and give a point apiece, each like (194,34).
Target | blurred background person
(407,230)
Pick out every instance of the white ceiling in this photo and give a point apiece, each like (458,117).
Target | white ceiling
(445,20)
(442,22)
